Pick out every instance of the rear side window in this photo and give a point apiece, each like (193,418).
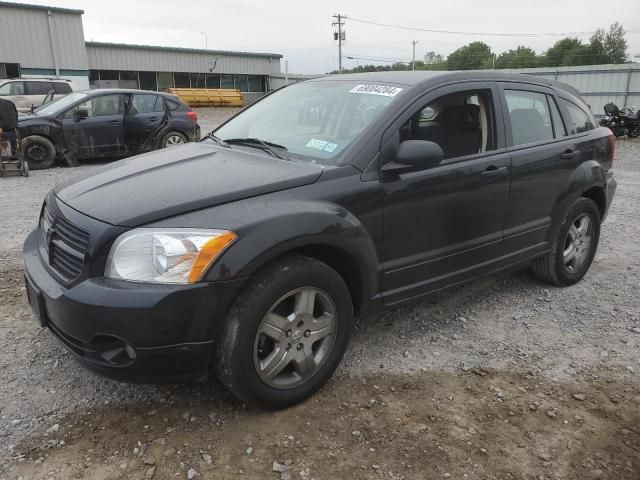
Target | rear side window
(578,120)
(61,88)
(173,105)
(529,117)
(144,104)
(39,88)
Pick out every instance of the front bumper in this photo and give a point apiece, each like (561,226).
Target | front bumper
(132,331)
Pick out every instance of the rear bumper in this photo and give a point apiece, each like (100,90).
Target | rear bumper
(610,190)
(135,332)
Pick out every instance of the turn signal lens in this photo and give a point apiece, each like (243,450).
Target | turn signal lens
(208,253)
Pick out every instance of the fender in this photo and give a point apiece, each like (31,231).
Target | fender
(280,223)
(587,175)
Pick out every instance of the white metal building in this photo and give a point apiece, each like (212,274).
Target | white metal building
(40,41)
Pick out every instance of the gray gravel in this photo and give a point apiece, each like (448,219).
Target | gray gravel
(510,322)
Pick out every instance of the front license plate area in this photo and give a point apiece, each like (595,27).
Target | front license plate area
(36,302)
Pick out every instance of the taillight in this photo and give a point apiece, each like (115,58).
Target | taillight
(612,146)
(192,115)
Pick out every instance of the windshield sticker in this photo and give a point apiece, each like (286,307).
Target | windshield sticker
(330,147)
(317,144)
(376,90)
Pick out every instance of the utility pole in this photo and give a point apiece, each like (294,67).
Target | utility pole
(340,36)
(413,62)
(206,40)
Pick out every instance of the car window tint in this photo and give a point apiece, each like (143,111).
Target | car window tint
(100,106)
(460,123)
(172,105)
(529,117)
(159,105)
(558,124)
(12,88)
(61,88)
(39,88)
(143,104)
(578,120)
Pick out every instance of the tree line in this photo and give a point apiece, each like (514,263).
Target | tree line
(604,46)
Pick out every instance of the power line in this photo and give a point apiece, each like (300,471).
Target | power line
(494,34)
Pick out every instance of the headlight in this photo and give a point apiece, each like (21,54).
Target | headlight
(166,255)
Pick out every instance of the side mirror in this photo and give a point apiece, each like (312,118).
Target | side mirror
(415,155)
(80,114)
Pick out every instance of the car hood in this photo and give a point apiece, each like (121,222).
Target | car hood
(177,180)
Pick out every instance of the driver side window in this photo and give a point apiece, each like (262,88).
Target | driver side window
(460,123)
(101,106)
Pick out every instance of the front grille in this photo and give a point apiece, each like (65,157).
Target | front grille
(65,244)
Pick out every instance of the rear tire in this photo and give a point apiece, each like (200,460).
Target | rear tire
(634,133)
(283,365)
(573,248)
(39,152)
(172,139)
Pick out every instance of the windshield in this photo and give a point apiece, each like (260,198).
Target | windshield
(312,119)
(57,106)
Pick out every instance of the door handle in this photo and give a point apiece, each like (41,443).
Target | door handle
(115,123)
(570,154)
(492,172)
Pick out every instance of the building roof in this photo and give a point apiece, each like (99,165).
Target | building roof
(182,50)
(45,8)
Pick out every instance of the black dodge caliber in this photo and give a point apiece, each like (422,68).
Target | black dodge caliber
(251,251)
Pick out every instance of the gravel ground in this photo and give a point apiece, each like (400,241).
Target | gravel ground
(501,378)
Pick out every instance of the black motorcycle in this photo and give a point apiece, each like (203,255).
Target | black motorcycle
(621,122)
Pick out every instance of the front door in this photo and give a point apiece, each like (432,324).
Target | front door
(444,224)
(145,118)
(14,91)
(101,133)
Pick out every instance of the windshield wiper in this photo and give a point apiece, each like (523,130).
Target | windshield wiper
(217,139)
(261,144)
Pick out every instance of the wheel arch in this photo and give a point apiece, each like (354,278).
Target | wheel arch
(598,196)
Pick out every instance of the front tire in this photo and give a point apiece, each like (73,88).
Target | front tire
(39,152)
(286,333)
(573,247)
(172,139)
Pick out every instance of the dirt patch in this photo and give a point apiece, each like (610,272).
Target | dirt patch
(474,424)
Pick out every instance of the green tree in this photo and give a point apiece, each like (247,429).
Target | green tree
(432,61)
(476,55)
(521,57)
(568,51)
(615,45)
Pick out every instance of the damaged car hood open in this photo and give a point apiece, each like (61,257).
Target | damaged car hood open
(177,180)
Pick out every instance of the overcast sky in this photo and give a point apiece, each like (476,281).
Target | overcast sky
(301,29)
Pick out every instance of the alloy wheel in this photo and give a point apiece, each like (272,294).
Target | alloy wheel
(295,338)
(577,244)
(174,140)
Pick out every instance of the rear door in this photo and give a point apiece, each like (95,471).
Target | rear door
(444,224)
(145,117)
(102,132)
(543,161)
(36,92)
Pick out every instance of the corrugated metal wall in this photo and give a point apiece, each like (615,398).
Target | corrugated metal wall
(598,84)
(24,38)
(108,57)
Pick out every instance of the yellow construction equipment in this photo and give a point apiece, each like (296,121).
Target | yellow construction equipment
(209,97)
